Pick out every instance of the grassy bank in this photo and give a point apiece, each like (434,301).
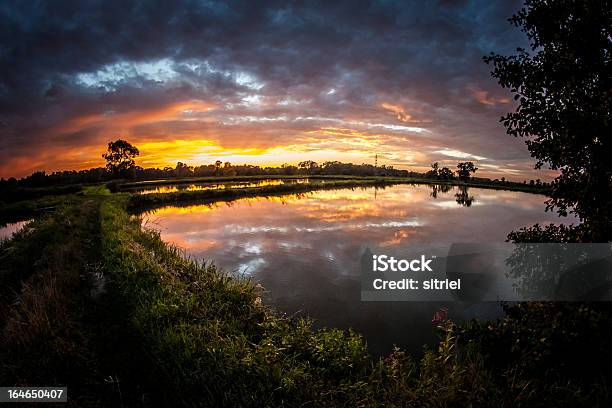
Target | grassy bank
(47,274)
(21,210)
(23,193)
(211,338)
(93,301)
(19,202)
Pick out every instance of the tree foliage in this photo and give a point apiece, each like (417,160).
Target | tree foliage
(438,173)
(445,174)
(563,86)
(120,157)
(464,169)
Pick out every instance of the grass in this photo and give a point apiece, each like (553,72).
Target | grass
(45,276)
(92,300)
(20,210)
(32,193)
(13,211)
(19,203)
(211,337)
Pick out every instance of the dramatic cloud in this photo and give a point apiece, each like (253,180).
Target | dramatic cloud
(255,82)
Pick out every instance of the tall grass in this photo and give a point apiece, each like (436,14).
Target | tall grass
(32,193)
(44,302)
(212,338)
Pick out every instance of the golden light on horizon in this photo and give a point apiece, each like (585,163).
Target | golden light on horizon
(196,132)
(201,152)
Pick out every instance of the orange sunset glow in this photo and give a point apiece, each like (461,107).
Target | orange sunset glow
(255,102)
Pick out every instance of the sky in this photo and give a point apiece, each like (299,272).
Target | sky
(254,82)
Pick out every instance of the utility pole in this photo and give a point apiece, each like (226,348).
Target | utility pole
(376,160)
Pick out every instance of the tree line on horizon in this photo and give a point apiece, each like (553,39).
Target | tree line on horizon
(120,157)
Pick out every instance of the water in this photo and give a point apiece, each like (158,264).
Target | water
(172,188)
(7,231)
(305,249)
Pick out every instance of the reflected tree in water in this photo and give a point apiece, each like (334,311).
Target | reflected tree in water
(463,198)
(439,188)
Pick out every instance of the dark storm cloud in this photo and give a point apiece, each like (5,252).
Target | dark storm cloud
(65,66)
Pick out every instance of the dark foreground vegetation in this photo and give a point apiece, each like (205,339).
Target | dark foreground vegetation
(91,300)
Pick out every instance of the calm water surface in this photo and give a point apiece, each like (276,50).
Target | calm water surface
(7,231)
(305,250)
(216,186)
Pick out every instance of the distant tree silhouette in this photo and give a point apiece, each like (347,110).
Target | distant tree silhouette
(433,173)
(228,169)
(564,92)
(218,164)
(308,166)
(183,170)
(288,169)
(464,170)
(445,174)
(120,158)
(438,173)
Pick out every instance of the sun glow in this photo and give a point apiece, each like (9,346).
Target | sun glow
(198,132)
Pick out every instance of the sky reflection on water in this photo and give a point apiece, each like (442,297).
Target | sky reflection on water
(305,250)
(11,228)
(173,188)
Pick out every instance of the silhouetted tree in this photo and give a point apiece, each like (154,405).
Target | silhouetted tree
(218,164)
(308,166)
(464,170)
(445,174)
(563,87)
(183,170)
(433,173)
(120,158)
(288,169)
